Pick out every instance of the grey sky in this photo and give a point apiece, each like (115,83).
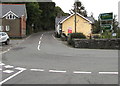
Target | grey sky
(92,6)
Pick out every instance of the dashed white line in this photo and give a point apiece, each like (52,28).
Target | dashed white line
(81,72)
(1,64)
(6,51)
(42,35)
(8,66)
(19,68)
(39,42)
(108,73)
(8,71)
(38,47)
(5,80)
(37,70)
(40,38)
(57,71)
(53,37)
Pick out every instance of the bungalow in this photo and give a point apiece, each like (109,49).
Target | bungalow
(13,17)
(83,24)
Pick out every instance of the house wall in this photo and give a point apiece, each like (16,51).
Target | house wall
(23,26)
(17,26)
(14,26)
(82,25)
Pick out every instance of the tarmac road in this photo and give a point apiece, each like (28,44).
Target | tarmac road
(43,59)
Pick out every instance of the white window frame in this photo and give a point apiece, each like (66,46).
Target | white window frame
(1,28)
(7,28)
(10,16)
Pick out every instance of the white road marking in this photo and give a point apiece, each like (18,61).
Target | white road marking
(39,42)
(38,47)
(37,70)
(8,71)
(40,38)
(6,51)
(57,71)
(28,37)
(19,68)
(108,72)
(8,66)
(0,69)
(5,80)
(53,37)
(1,64)
(42,35)
(81,72)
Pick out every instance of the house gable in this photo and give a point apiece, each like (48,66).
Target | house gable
(10,15)
(18,10)
(82,25)
(78,15)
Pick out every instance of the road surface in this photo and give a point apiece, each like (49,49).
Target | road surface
(43,59)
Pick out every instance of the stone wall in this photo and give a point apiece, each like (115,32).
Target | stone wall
(96,43)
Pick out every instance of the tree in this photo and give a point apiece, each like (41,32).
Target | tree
(96,27)
(59,12)
(48,15)
(33,14)
(115,24)
(79,8)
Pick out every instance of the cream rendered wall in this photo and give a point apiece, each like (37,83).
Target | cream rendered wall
(82,25)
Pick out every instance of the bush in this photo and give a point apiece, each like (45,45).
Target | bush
(72,36)
(77,35)
(96,36)
(118,33)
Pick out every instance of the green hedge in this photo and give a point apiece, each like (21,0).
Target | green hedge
(72,36)
(77,35)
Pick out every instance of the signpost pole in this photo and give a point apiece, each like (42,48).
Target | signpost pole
(75,5)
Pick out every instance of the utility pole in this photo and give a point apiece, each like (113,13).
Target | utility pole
(75,6)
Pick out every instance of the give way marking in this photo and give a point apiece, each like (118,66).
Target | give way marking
(18,68)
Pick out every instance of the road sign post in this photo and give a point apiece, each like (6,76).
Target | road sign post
(106,22)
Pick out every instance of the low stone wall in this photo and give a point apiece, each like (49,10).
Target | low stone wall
(96,43)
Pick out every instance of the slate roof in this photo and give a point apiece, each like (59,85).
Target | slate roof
(18,9)
(59,19)
(91,19)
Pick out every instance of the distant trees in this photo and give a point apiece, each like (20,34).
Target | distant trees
(59,12)
(42,15)
(115,23)
(48,15)
(79,8)
(33,17)
(96,27)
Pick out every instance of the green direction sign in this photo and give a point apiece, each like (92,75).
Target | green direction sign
(106,16)
(106,27)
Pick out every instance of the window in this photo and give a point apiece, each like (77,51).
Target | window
(10,16)
(7,28)
(1,28)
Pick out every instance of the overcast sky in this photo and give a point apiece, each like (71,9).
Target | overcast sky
(92,6)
